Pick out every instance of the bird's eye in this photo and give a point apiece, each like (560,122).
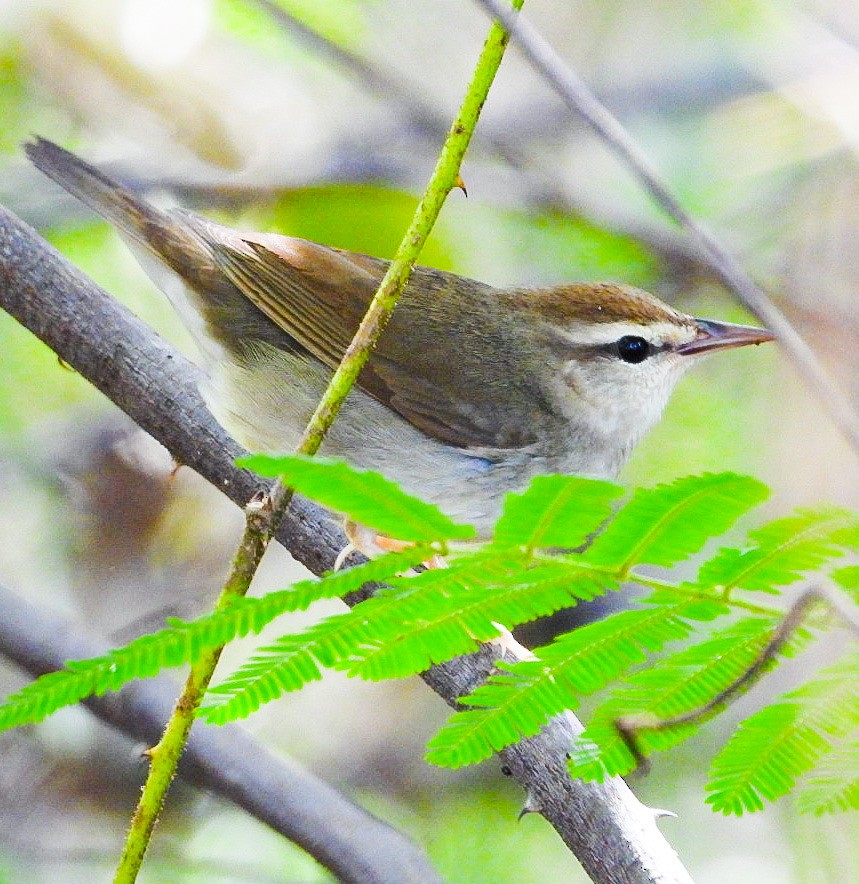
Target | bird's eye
(633,349)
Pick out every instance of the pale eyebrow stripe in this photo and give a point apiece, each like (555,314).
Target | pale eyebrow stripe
(658,334)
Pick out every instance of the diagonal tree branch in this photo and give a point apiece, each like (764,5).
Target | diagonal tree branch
(582,101)
(611,833)
(351,843)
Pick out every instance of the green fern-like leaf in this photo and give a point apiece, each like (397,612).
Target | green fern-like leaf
(832,785)
(447,625)
(514,705)
(394,645)
(287,664)
(769,752)
(674,686)
(414,621)
(293,660)
(146,656)
(340,640)
(555,511)
(367,497)
(668,523)
(848,578)
(184,641)
(142,658)
(783,551)
(336,584)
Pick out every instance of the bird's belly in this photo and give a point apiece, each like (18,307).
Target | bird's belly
(265,403)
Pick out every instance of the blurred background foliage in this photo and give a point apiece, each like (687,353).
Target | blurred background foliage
(325,124)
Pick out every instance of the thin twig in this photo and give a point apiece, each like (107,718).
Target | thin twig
(580,99)
(409,102)
(445,177)
(263,516)
(542,182)
(630,726)
(261,520)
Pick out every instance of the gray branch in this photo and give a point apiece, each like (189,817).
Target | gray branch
(583,102)
(351,843)
(611,833)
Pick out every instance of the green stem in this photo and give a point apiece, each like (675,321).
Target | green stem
(260,523)
(624,572)
(264,516)
(445,177)
(699,593)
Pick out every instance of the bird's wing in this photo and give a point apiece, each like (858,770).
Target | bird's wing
(318,295)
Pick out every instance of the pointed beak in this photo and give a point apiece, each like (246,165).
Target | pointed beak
(714,335)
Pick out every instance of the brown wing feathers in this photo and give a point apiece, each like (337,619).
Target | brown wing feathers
(314,297)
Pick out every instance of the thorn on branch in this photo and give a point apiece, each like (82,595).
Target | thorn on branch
(259,511)
(342,556)
(530,806)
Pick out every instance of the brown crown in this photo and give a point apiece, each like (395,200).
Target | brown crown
(596,303)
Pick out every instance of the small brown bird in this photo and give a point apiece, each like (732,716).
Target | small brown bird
(471,391)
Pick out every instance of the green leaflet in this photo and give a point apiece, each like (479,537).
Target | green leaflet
(668,523)
(288,664)
(333,584)
(396,645)
(770,750)
(141,658)
(784,551)
(293,660)
(448,624)
(555,511)
(362,495)
(679,684)
(848,578)
(183,642)
(412,623)
(832,785)
(516,704)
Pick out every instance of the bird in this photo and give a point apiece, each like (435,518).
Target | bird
(471,391)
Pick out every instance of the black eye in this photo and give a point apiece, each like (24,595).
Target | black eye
(633,349)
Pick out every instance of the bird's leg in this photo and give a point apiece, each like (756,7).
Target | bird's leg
(372,544)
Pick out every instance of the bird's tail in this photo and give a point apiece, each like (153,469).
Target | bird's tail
(138,219)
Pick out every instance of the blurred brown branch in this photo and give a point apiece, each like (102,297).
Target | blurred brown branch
(351,843)
(541,185)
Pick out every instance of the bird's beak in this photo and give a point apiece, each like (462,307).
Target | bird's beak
(714,335)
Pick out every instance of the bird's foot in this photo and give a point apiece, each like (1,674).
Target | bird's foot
(372,544)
